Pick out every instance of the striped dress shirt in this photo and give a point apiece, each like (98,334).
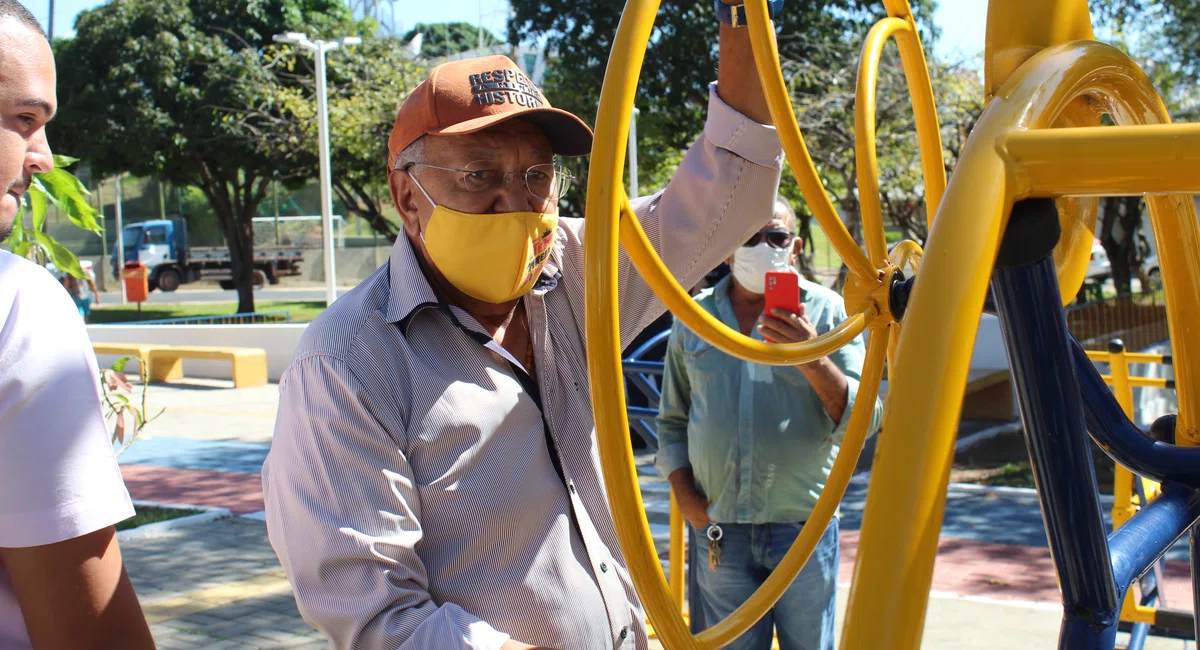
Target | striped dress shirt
(418,495)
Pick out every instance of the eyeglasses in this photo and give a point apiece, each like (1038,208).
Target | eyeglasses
(546,182)
(775,238)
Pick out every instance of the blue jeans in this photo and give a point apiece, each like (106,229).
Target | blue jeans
(803,617)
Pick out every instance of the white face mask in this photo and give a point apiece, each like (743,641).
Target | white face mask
(751,263)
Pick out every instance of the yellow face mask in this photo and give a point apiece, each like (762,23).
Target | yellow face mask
(490,257)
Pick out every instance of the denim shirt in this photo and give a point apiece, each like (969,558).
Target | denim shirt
(758,438)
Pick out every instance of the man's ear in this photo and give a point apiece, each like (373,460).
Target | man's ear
(404,197)
(797,249)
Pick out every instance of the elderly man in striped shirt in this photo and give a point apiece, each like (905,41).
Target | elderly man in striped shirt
(434,480)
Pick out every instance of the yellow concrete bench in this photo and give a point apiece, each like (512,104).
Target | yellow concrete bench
(139,351)
(249,364)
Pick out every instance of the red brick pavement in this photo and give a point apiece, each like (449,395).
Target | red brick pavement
(1006,571)
(240,493)
(963,567)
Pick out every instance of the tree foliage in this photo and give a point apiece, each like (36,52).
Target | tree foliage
(1160,36)
(816,35)
(195,92)
(61,189)
(366,86)
(444,39)
(824,97)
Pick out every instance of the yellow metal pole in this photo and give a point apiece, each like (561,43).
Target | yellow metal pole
(906,499)
(1106,161)
(1123,506)
(675,553)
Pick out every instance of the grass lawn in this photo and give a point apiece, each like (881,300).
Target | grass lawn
(153,514)
(302,311)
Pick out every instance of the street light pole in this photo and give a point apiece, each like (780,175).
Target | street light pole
(326,177)
(319,48)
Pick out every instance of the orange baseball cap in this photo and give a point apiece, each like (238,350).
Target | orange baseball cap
(472,94)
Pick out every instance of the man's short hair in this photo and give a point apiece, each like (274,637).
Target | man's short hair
(780,202)
(413,153)
(14,9)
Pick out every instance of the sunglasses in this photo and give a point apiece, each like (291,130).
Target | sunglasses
(775,238)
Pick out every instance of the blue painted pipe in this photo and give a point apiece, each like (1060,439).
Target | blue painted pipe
(1124,441)
(1035,333)
(1196,579)
(1137,636)
(1149,534)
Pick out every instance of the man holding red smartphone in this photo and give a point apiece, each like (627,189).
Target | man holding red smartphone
(748,447)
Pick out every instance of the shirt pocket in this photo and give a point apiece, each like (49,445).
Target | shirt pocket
(704,361)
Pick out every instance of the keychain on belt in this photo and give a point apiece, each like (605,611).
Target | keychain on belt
(714,535)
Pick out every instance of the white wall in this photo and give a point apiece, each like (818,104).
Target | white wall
(279,342)
(989,353)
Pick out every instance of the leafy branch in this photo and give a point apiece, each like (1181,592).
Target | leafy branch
(116,390)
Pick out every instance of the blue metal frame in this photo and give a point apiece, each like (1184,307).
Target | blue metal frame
(1035,332)
(1123,440)
(643,375)
(1060,391)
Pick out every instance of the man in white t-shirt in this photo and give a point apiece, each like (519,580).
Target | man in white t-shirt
(62,581)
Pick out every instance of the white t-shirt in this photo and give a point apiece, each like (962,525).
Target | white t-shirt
(59,477)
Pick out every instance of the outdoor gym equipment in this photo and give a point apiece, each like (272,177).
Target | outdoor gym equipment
(1010,233)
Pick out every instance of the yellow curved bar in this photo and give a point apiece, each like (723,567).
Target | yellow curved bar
(920,90)
(906,499)
(924,113)
(766,59)
(823,511)
(710,328)
(867,167)
(906,254)
(602,320)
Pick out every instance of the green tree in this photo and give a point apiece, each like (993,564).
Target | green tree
(366,91)
(196,93)
(679,64)
(444,39)
(824,97)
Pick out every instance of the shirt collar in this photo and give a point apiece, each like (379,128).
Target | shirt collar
(410,291)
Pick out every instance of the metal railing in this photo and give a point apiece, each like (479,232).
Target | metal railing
(1140,320)
(256,318)
(1148,614)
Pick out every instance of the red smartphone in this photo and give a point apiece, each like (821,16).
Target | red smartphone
(782,291)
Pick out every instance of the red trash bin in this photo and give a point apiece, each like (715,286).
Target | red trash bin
(136,277)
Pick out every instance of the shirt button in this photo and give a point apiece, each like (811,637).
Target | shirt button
(604,569)
(624,633)
(571,488)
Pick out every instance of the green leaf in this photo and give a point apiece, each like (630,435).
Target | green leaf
(120,397)
(64,259)
(37,203)
(61,161)
(70,196)
(119,366)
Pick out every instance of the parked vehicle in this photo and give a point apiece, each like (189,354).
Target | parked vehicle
(1099,266)
(162,245)
(1152,273)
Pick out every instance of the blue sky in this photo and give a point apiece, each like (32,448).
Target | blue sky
(961,21)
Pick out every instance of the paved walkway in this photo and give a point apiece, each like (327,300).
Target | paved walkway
(218,585)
